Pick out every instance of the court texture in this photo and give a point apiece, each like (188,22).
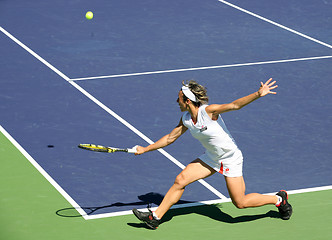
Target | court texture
(114,80)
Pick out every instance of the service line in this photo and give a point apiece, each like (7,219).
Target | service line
(201,68)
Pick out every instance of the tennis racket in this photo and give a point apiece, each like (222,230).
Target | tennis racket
(100,148)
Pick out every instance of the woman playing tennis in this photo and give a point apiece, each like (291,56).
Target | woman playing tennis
(222,154)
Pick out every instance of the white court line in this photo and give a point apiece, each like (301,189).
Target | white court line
(201,68)
(43,172)
(275,23)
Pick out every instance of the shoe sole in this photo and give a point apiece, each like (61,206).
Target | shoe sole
(136,214)
(289,211)
(290,214)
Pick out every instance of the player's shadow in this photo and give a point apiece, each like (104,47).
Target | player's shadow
(215,213)
(212,212)
(145,200)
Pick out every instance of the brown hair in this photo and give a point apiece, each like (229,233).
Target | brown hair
(198,90)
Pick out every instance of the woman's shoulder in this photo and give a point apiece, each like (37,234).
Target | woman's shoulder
(203,108)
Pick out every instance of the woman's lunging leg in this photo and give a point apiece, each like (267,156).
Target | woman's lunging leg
(236,189)
(194,171)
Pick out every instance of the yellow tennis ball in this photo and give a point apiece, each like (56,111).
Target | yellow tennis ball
(89,15)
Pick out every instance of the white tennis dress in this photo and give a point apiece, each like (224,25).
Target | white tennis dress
(222,153)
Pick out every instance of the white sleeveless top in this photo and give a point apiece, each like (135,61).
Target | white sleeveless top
(212,134)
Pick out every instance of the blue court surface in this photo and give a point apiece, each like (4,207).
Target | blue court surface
(114,80)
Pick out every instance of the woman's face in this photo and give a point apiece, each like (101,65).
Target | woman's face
(182,104)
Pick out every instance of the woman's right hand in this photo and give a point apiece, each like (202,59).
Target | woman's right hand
(140,150)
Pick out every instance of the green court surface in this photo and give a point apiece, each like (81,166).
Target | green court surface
(28,206)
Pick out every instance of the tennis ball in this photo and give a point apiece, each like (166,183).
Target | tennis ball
(89,15)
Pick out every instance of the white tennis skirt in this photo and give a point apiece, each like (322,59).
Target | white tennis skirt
(230,165)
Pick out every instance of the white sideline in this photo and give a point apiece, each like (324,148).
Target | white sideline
(276,24)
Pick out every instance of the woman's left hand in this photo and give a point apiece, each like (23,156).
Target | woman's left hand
(267,87)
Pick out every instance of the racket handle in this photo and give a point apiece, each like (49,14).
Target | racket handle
(132,150)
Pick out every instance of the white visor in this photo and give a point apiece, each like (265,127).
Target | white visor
(189,94)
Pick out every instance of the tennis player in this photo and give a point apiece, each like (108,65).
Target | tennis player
(222,154)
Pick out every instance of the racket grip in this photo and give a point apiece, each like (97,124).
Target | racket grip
(133,149)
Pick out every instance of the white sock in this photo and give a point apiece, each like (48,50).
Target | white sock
(279,201)
(155,216)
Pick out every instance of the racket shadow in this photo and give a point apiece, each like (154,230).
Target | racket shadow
(145,200)
(74,212)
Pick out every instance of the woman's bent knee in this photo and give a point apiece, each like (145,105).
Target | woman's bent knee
(180,181)
(239,204)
